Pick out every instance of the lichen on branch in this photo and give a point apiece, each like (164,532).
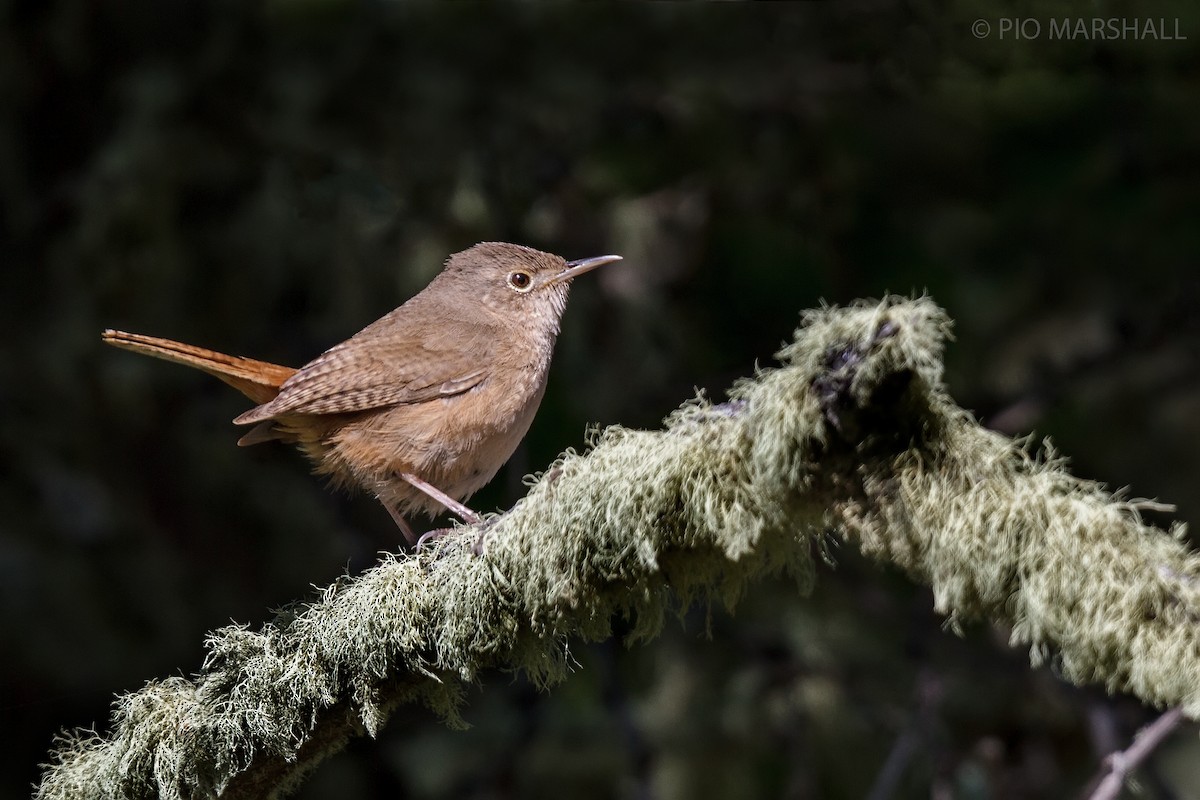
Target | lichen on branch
(854,434)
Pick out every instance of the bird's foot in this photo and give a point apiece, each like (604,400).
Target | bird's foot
(485,527)
(430,536)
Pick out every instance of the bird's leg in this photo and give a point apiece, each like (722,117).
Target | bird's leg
(465,514)
(402,524)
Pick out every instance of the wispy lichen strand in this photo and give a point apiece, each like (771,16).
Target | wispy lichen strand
(853,434)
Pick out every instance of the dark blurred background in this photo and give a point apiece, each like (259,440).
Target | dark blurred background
(267,178)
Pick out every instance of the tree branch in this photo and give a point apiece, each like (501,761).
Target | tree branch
(854,433)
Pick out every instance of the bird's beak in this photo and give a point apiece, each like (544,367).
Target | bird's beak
(577,268)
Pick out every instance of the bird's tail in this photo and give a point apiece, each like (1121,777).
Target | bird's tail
(258,380)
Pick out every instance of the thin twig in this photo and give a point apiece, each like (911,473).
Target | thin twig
(1118,765)
(908,743)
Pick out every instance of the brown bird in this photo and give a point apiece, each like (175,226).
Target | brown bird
(422,407)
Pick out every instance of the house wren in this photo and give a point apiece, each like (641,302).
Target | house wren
(422,407)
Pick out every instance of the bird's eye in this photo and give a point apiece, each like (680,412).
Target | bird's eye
(520,281)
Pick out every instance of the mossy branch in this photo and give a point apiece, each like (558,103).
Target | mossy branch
(854,434)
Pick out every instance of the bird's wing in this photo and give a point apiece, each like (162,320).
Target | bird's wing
(384,365)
